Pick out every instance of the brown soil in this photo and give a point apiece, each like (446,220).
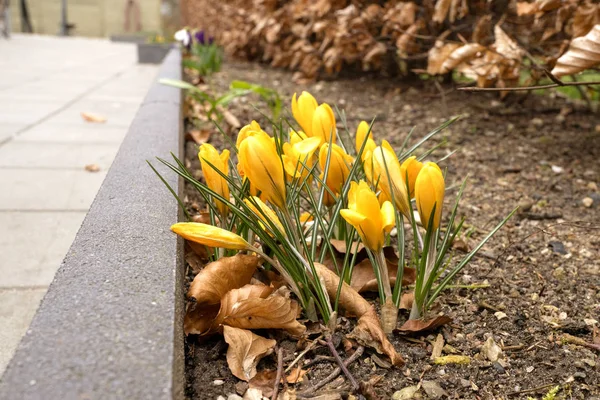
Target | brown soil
(543,267)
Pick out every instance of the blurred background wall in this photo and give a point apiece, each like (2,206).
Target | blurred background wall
(96,18)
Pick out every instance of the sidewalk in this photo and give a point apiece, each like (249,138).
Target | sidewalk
(45,85)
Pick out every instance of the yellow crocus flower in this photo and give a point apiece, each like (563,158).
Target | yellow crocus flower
(370,220)
(209,235)
(323,124)
(303,109)
(298,156)
(361,136)
(382,167)
(262,165)
(264,213)
(411,167)
(429,191)
(248,130)
(211,161)
(337,174)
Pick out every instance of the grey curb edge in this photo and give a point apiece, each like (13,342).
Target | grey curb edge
(110,326)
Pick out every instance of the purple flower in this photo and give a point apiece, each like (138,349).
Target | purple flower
(201,38)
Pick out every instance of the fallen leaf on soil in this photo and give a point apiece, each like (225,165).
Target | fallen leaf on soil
(264,382)
(368,331)
(438,345)
(583,53)
(297,375)
(245,351)
(92,168)
(363,276)
(90,117)
(340,245)
(491,350)
(195,261)
(418,325)
(464,360)
(406,393)
(231,119)
(433,389)
(199,319)
(199,136)
(221,276)
(406,301)
(258,307)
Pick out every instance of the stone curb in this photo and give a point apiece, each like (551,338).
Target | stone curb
(111,324)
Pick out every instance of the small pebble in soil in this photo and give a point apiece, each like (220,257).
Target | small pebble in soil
(498,367)
(559,273)
(579,375)
(530,369)
(218,382)
(234,397)
(587,202)
(500,315)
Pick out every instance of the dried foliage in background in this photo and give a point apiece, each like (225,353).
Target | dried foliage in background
(491,42)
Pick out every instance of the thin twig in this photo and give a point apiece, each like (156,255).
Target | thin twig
(335,373)
(308,348)
(319,359)
(525,88)
(341,363)
(279,374)
(535,389)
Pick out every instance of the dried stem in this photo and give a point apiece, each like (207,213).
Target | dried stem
(279,373)
(340,362)
(333,374)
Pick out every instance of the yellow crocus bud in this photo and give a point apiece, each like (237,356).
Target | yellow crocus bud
(364,213)
(262,165)
(209,235)
(323,124)
(298,156)
(303,109)
(211,162)
(361,136)
(264,213)
(411,168)
(383,168)
(429,191)
(337,174)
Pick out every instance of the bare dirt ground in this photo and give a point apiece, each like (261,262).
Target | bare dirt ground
(543,267)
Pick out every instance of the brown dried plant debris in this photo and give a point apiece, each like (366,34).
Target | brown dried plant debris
(583,53)
(245,351)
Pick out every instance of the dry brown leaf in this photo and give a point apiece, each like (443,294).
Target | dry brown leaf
(418,325)
(231,119)
(405,42)
(548,5)
(221,276)
(364,280)
(438,54)
(583,53)
(340,245)
(245,351)
(264,381)
(199,136)
(461,55)
(258,307)
(368,331)
(507,47)
(482,31)
(297,375)
(94,118)
(92,168)
(199,319)
(406,300)
(441,10)
(586,16)
(525,8)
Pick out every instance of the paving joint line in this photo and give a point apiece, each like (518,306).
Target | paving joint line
(41,210)
(19,288)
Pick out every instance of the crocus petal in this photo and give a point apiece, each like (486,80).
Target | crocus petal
(429,191)
(388,216)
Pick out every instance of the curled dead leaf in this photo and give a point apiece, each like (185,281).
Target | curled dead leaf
(245,351)
(461,55)
(221,276)
(199,136)
(364,280)
(583,53)
(199,319)
(506,46)
(94,118)
(418,325)
(296,375)
(441,10)
(258,307)
(438,54)
(368,331)
(406,300)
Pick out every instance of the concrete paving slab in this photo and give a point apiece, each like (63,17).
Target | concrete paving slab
(44,189)
(76,132)
(25,113)
(17,308)
(57,155)
(117,113)
(33,262)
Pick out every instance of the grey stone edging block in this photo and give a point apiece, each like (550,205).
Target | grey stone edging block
(110,326)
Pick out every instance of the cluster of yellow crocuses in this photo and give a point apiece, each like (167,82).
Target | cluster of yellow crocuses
(381,188)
